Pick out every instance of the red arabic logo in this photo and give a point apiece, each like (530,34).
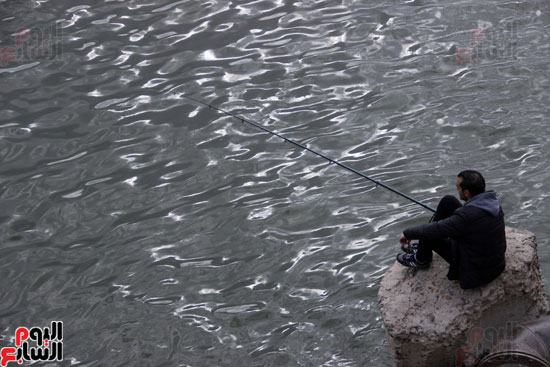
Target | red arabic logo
(32,44)
(490,43)
(49,343)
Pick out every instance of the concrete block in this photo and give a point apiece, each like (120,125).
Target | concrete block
(431,321)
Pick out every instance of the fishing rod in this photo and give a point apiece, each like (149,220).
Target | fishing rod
(252,123)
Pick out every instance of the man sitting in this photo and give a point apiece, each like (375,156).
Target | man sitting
(470,238)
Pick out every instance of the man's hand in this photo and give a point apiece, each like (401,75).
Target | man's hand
(403,240)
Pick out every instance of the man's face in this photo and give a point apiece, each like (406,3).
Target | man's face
(459,189)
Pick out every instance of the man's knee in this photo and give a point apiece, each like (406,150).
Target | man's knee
(449,200)
(447,205)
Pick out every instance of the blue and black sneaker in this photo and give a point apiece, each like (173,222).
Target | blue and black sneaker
(410,261)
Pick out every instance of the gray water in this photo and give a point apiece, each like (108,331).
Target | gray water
(163,233)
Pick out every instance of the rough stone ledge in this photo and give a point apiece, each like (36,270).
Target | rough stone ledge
(429,318)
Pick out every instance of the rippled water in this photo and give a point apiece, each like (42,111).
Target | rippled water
(164,233)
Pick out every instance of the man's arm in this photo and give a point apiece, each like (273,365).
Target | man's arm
(454,226)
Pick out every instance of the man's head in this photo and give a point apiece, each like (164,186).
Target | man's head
(469,183)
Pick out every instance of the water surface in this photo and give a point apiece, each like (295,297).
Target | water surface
(164,233)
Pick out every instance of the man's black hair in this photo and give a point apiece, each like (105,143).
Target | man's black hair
(472,181)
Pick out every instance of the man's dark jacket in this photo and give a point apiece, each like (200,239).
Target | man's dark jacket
(477,239)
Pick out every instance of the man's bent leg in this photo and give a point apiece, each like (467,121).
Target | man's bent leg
(446,207)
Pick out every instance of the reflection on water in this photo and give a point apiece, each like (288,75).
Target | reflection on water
(165,233)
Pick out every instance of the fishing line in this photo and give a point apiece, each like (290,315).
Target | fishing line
(252,123)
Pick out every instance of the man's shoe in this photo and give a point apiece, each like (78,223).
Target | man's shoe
(409,260)
(410,248)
